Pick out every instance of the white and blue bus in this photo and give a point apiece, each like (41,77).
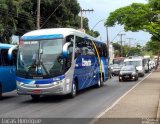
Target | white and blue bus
(8,58)
(60,61)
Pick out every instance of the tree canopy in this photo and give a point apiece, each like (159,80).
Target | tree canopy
(19,16)
(138,16)
(127,50)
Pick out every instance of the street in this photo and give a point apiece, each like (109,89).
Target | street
(87,104)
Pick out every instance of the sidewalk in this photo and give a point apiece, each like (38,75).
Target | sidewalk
(140,105)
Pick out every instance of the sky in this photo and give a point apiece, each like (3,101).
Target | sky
(102,8)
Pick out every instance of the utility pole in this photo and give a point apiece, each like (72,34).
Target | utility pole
(121,37)
(84,10)
(129,41)
(38,13)
(107,43)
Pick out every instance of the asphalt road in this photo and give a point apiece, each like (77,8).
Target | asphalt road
(87,104)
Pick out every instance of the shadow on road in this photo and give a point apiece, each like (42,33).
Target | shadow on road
(59,98)
(3,98)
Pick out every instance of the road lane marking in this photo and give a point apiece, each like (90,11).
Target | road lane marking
(120,98)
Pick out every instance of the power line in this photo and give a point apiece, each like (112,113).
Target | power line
(51,15)
(20,16)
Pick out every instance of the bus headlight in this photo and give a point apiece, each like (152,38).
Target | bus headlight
(58,82)
(19,83)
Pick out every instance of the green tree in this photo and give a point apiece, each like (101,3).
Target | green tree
(19,16)
(135,51)
(127,51)
(8,13)
(153,46)
(137,17)
(117,48)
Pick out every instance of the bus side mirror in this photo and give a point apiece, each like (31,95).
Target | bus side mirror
(65,49)
(11,50)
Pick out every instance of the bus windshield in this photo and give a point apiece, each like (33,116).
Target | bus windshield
(42,54)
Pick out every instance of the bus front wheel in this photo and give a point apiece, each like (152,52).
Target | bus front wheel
(35,97)
(74,90)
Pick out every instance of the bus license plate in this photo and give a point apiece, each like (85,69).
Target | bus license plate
(37,91)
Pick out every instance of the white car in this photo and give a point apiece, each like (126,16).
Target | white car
(138,63)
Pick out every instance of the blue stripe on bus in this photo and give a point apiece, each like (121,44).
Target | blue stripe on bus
(42,37)
(40,81)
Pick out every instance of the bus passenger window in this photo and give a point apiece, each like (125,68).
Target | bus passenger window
(5,60)
(77,52)
(14,57)
(68,61)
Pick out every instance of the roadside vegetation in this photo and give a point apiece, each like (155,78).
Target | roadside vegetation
(19,16)
(140,17)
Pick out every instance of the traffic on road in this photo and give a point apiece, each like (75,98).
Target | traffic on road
(55,67)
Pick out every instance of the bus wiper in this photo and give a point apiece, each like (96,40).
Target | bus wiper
(44,68)
(41,62)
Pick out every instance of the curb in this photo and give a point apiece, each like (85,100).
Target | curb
(120,98)
(158,109)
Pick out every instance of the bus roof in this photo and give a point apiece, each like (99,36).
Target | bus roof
(52,33)
(5,46)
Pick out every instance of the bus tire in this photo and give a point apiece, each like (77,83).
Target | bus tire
(99,83)
(0,91)
(102,81)
(74,90)
(35,97)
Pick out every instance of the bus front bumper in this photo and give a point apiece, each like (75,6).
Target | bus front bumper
(41,89)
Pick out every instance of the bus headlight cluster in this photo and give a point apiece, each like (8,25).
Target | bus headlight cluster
(20,83)
(58,82)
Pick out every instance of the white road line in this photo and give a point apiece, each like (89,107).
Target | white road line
(109,108)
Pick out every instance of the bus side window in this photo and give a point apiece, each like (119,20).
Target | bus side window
(4,57)
(14,57)
(105,50)
(70,39)
(91,50)
(68,62)
(78,47)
